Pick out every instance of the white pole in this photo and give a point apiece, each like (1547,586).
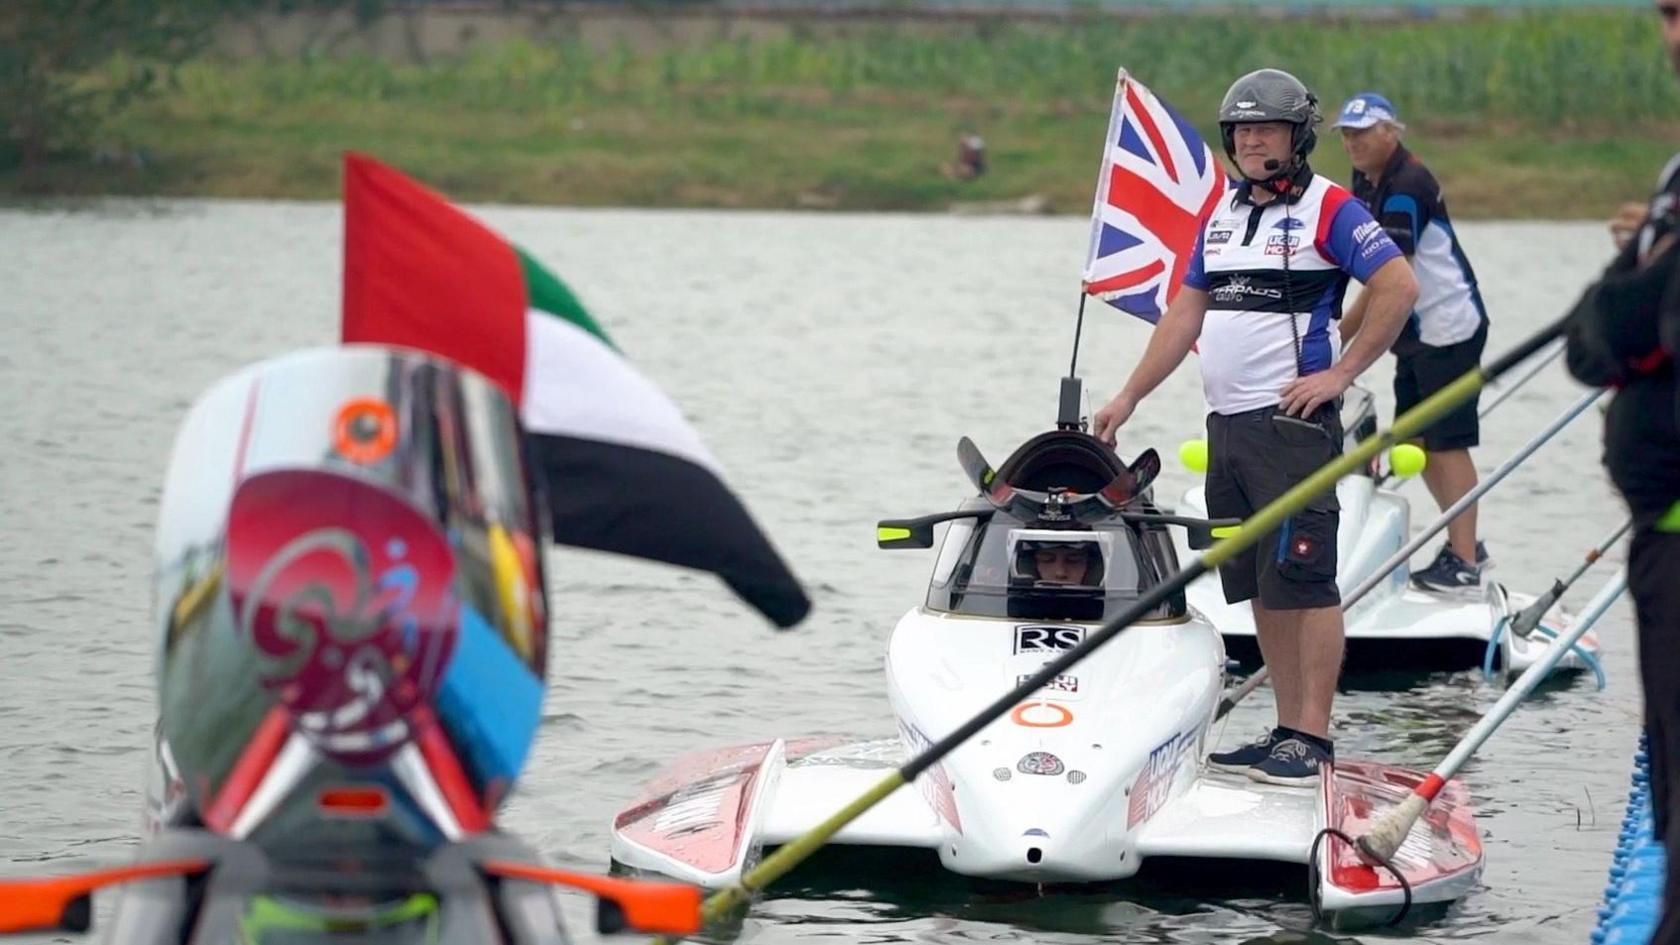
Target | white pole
(1383,839)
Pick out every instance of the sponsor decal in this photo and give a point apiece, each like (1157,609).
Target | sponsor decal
(1239,288)
(1047,639)
(1241,112)
(1059,683)
(351,621)
(1041,715)
(1246,104)
(1040,762)
(1356,107)
(1280,244)
(934,783)
(1288,223)
(1154,783)
(1216,237)
(696,807)
(1366,230)
(1374,247)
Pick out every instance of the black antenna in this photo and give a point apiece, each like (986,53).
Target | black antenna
(1078,327)
(1067,408)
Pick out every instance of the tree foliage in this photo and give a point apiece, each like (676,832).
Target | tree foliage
(67,65)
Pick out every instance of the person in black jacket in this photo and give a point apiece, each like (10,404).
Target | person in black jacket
(1625,333)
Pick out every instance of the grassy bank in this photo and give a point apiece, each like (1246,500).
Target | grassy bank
(1550,116)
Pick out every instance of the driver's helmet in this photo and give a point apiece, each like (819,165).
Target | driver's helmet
(1049,558)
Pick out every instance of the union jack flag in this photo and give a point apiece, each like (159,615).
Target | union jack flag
(1159,181)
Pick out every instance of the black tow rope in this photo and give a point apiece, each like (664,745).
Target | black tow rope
(1313,877)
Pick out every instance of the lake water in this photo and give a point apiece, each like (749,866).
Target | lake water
(831,361)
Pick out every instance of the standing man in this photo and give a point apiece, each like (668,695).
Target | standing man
(1446,332)
(1625,332)
(1264,281)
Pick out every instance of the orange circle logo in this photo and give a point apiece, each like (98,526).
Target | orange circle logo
(1041,715)
(365,430)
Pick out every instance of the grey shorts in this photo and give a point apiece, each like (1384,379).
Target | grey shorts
(1252,460)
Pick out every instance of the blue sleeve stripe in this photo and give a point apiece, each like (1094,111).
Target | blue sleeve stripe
(1407,204)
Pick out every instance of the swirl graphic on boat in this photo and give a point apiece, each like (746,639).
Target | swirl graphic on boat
(345,592)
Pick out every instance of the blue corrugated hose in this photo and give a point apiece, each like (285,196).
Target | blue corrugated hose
(1499,632)
(1633,898)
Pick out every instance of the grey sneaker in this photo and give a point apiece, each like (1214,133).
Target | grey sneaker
(1448,573)
(1293,762)
(1241,759)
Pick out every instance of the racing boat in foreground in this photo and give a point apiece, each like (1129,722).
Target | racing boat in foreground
(1395,624)
(352,609)
(1100,771)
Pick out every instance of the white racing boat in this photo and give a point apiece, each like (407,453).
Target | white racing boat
(1395,625)
(1098,773)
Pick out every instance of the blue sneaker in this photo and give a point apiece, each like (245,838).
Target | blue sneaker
(1241,759)
(1449,573)
(1293,762)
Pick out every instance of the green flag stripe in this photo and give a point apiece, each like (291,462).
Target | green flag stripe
(548,294)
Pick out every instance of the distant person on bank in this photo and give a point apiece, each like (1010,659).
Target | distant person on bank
(1446,332)
(971,158)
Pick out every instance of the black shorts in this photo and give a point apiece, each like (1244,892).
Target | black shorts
(1422,372)
(1252,460)
(1654,583)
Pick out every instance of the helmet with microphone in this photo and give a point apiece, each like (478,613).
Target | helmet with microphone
(1266,95)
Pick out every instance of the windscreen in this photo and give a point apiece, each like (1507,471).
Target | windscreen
(1003,567)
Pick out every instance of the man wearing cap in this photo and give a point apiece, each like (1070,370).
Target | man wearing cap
(1446,332)
(1261,288)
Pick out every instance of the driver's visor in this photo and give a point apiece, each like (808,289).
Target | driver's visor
(1023,542)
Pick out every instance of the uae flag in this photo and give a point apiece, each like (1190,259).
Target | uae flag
(625,472)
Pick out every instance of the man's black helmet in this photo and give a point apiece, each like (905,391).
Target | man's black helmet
(1270,95)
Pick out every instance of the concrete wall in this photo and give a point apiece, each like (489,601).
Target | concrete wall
(417,33)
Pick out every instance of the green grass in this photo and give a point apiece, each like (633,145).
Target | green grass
(1553,115)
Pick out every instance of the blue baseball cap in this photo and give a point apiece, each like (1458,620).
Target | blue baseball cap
(1365,110)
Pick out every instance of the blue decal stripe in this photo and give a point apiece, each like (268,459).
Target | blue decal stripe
(490,702)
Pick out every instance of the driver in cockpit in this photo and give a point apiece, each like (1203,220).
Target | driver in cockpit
(1061,562)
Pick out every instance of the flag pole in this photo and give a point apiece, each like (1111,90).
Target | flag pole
(1078,327)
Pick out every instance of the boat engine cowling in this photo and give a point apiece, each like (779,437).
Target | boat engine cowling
(351,603)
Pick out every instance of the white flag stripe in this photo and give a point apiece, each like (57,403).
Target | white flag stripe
(577,386)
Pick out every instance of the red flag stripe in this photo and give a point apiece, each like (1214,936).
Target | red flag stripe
(1174,227)
(1126,280)
(421,274)
(1154,133)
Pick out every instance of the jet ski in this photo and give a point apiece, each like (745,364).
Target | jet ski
(1099,772)
(1396,624)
